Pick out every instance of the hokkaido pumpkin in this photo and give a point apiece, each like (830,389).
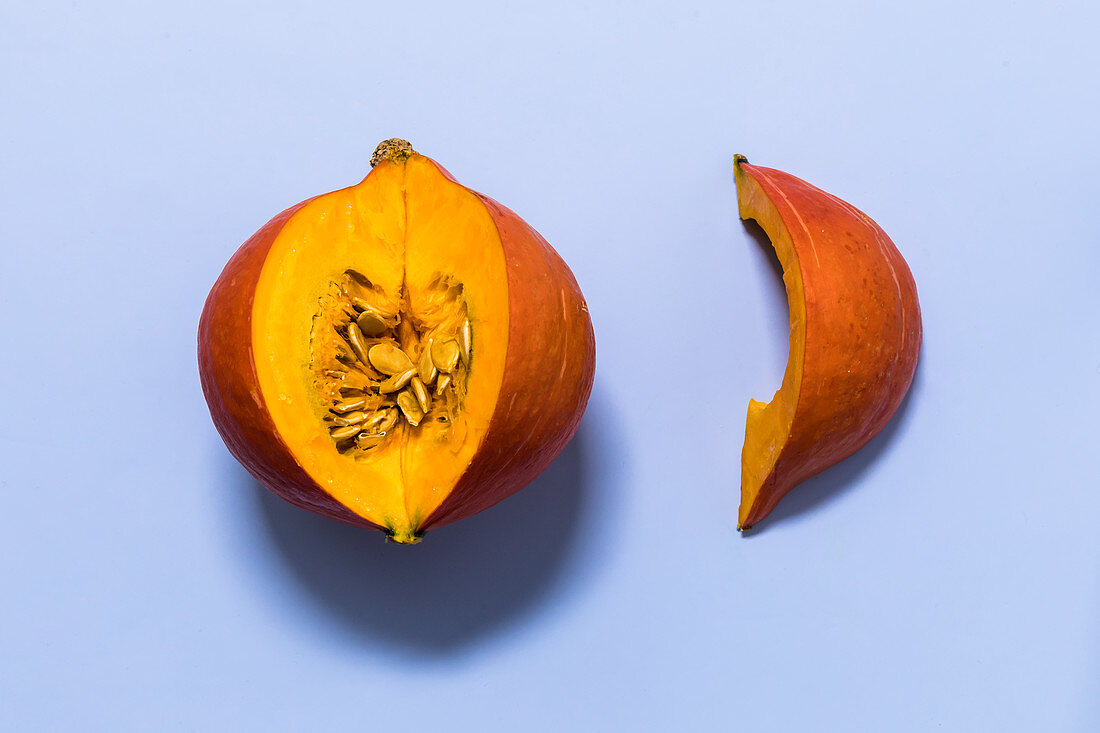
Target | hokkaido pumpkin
(399,354)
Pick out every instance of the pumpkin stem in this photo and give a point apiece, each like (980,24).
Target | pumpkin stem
(394,150)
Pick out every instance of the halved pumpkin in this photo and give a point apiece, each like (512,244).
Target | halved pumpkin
(398,354)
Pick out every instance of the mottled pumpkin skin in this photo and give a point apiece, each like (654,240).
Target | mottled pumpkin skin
(550,365)
(863,331)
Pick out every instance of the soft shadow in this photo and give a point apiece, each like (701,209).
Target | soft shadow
(462,582)
(828,484)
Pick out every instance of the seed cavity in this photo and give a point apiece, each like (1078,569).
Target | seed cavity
(382,369)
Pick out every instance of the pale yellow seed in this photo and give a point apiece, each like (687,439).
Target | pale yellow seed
(445,355)
(388,421)
(366,441)
(397,382)
(374,420)
(355,338)
(465,341)
(355,381)
(352,418)
(349,405)
(360,303)
(389,359)
(345,432)
(335,373)
(410,408)
(371,324)
(425,368)
(442,384)
(421,393)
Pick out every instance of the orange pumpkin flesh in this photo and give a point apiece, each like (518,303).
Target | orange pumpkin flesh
(417,256)
(855,335)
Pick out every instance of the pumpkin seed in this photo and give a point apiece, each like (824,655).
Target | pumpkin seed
(374,420)
(371,324)
(355,338)
(388,421)
(389,359)
(360,304)
(352,418)
(421,393)
(425,368)
(396,382)
(410,408)
(356,381)
(345,432)
(366,441)
(442,384)
(349,405)
(465,341)
(445,355)
(335,373)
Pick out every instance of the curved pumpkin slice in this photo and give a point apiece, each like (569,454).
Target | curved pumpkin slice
(399,354)
(855,335)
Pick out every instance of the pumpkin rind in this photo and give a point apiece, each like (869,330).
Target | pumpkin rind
(862,331)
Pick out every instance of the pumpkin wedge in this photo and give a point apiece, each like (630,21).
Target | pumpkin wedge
(854,340)
(399,354)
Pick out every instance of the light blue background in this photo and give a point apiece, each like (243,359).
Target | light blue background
(945,578)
